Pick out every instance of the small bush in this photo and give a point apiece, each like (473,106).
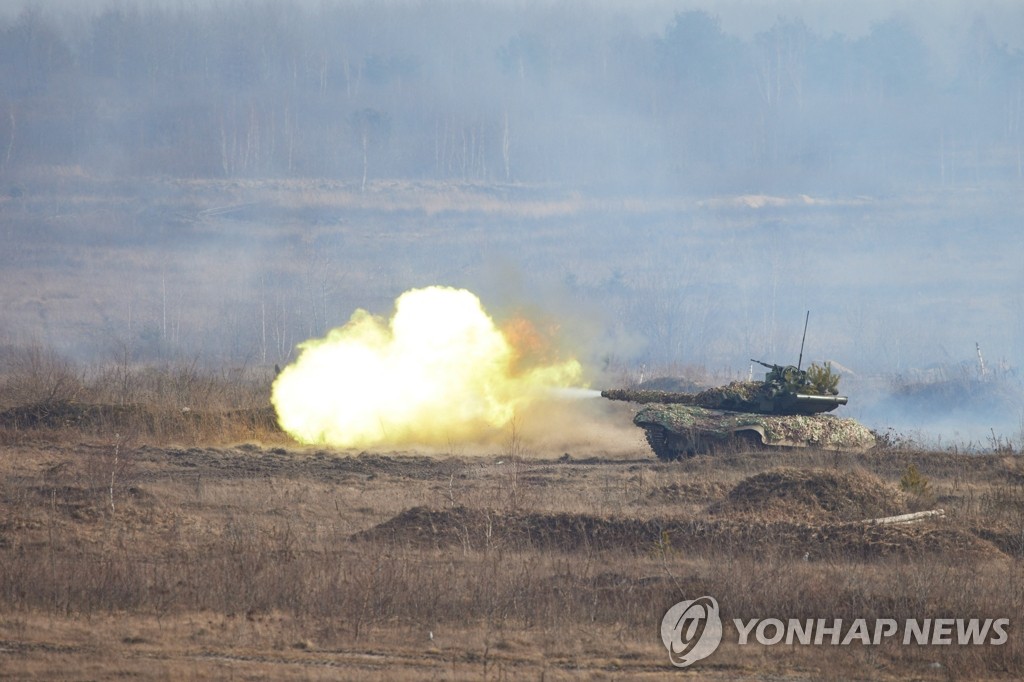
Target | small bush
(824,381)
(917,484)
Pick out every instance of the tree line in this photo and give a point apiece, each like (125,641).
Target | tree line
(496,93)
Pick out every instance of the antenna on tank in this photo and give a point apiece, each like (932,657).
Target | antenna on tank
(800,360)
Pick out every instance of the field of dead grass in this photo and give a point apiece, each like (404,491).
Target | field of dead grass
(140,540)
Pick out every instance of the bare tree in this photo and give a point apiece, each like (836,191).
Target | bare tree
(371,129)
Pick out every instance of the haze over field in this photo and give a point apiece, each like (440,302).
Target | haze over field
(673,184)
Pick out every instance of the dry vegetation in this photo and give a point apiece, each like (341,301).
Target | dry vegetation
(138,539)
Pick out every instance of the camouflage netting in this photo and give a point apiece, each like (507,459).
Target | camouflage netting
(820,430)
(825,494)
(670,384)
(639,395)
(743,396)
(734,394)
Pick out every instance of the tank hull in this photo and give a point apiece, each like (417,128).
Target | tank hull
(675,431)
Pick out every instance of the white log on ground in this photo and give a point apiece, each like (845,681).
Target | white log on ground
(908,518)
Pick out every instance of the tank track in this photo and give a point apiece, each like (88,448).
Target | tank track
(658,440)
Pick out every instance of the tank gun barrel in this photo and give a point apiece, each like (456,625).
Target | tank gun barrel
(804,403)
(647,396)
(823,400)
(765,364)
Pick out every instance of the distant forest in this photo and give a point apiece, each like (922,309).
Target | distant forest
(475,92)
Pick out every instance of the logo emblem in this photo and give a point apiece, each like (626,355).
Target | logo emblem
(691,630)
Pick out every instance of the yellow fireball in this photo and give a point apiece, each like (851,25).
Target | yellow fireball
(439,371)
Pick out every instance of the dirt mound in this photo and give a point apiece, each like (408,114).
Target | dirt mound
(690,491)
(872,541)
(814,494)
(89,416)
(478,529)
(58,414)
(1009,540)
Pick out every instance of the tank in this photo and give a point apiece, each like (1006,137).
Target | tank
(785,410)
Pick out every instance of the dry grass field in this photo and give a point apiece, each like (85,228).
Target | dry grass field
(242,270)
(155,523)
(141,540)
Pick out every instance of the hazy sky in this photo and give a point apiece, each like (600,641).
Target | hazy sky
(742,17)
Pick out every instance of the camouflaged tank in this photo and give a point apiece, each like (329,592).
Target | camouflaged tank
(786,410)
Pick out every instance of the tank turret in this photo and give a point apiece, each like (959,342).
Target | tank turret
(786,390)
